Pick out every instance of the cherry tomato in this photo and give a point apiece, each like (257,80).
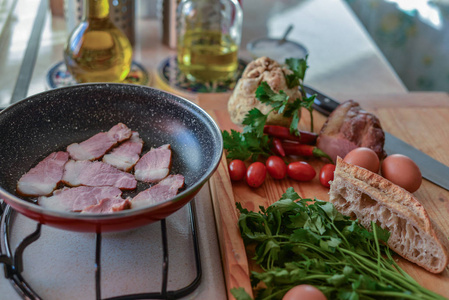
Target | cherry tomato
(301,171)
(327,174)
(256,173)
(304,291)
(276,167)
(237,169)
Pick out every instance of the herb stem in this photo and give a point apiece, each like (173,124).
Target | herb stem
(400,295)
(376,241)
(397,267)
(399,280)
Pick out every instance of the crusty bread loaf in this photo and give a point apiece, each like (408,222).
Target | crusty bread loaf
(367,196)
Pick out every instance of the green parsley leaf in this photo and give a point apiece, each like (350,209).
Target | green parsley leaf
(240,294)
(266,95)
(293,111)
(292,80)
(298,67)
(290,194)
(255,121)
(302,234)
(382,234)
(337,280)
(246,145)
(234,143)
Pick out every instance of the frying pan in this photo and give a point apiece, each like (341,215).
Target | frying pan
(43,123)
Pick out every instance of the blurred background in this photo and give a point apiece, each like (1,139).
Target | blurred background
(413,35)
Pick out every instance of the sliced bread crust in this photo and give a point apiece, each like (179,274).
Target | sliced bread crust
(369,197)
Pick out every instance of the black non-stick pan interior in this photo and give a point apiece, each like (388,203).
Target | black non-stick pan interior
(47,122)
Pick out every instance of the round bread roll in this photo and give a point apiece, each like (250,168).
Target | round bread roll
(243,98)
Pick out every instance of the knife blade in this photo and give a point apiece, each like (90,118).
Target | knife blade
(431,169)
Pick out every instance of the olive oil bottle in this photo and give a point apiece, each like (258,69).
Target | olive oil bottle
(207,55)
(209,34)
(97,51)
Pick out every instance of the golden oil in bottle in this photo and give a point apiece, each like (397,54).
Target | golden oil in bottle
(97,51)
(207,55)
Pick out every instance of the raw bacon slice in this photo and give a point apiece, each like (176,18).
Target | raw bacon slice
(96,173)
(154,165)
(108,205)
(96,146)
(126,155)
(78,198)
(164,190)
(44,177)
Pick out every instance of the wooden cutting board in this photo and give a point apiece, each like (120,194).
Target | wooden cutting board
(421,119)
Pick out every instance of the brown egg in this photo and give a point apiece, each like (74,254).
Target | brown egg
(304,292)
(403,171)
(363,157)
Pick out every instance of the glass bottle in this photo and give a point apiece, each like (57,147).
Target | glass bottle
(97,51)
(209,34)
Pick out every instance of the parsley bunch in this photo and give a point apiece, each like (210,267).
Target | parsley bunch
(300,241)
(252,142)
(299,67)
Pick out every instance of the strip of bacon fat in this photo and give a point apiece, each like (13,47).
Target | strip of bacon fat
(108,205)
(154,165)
(96,146)
(44,177)
(96,173)
(126,155)
(77,198)
(164,190)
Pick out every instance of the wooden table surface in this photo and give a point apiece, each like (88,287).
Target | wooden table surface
(420,119)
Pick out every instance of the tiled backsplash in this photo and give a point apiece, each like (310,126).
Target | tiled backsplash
(414,37)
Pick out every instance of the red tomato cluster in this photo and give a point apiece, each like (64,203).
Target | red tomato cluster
(275,166)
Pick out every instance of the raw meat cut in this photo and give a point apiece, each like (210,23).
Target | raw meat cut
(96,146)
(349,127)
(96,173)
(108,205)
(126,155)
(164,190)
(78,198)
(44,177)
(154,165)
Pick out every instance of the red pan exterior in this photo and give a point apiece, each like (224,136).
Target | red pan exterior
(112,224)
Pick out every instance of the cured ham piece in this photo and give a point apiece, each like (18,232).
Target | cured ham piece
(126,155)
(44,177)
(96,173)
(164,190)
(349,127)
(154,165)
(108,205)
(96,146)
(78,198)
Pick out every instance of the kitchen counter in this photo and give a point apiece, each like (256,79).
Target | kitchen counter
(343,61)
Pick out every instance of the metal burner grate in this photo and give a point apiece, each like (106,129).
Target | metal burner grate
(13,262)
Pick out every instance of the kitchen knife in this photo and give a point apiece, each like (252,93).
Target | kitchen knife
(431,169)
